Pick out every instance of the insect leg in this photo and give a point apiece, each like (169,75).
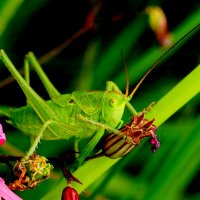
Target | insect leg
(149,107)
(104,126)
(27,79)
(111,86)
(58,130)
(90,146)
(36,141)
(41,108)
(26,71)
(52,91)
(93,142)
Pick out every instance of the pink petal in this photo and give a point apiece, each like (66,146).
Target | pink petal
(6,193)
(155,144)
(2,136)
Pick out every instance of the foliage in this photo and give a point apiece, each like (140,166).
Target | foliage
(121,34)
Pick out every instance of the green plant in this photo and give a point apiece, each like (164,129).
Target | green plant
(98,60)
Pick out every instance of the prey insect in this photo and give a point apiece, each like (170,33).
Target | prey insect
(114,146)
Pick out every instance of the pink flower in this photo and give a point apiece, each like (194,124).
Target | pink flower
(6,193)
(2,136)
(155,144)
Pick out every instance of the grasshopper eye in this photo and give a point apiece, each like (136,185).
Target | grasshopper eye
(112,102)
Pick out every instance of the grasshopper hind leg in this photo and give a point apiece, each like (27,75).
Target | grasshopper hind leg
(32,60)
(99,133)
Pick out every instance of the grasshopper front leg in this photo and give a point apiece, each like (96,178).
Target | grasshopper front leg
(93,142)
(101,125)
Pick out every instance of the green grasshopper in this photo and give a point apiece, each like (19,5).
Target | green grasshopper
(81,114)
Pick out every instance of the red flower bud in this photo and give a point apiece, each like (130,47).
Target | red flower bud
(70,193)
(158,23)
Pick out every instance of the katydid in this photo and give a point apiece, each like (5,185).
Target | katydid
(78,114)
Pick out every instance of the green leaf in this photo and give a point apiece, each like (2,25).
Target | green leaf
(88,173)
(8,9)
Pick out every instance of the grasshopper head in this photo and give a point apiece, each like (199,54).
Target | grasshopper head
(113,107)
(114,102)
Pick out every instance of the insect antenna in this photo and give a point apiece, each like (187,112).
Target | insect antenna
(163,56)
(127,82)
(127,76)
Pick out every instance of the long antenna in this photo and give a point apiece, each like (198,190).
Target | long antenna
(127,76)
(161,57)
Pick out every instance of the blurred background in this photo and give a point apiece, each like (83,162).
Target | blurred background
(95,39)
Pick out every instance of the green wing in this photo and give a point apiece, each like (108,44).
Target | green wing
(90,102)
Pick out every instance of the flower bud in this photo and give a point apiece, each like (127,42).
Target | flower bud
(30,173)
(159,25)
(70,193)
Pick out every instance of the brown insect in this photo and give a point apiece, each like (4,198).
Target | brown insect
(115,146)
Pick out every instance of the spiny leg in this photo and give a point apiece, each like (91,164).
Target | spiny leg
(52,91)
(57,128)
(103,126)
(27,79)
(38,104)
(31,59)
(41,108)
(36,141)
(26,71)
(84,156)
(111,86)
